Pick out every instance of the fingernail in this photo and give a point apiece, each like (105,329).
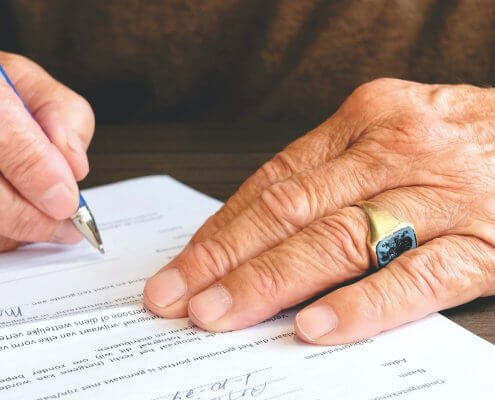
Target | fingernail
(211,304)
(66,233)
(59,201)
(166,287)
(316,321)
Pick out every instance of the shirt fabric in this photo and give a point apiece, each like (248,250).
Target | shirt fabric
(211,60)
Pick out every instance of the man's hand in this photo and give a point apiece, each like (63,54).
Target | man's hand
(40,158)
(426,153)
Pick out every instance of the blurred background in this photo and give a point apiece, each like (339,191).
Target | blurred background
(279,61)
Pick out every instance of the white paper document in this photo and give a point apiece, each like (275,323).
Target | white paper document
(72,326)
(143,223)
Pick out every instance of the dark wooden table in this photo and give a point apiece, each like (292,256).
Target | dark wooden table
(215,159)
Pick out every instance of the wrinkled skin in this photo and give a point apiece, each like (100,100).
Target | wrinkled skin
(40,158)
(424,152)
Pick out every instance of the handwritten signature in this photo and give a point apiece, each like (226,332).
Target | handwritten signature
(238,387)
(12,312)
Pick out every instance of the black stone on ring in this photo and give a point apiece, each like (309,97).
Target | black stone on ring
(394,245)
(388,236)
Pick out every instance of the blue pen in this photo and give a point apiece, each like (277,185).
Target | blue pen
(83,219)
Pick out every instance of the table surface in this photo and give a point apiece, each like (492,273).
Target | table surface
(215,159)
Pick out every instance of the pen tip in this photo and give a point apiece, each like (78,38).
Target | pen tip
(101,249)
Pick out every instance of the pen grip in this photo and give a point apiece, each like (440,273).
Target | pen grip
(6,78)
(82,202)
(9,82)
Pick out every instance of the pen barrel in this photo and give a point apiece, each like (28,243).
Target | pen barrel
(82,202)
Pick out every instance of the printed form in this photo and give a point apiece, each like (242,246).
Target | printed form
(72,326)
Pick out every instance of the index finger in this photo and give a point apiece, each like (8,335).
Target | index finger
(64,116)
(283,210)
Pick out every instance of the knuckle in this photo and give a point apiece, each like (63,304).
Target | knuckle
(439,96)
(214,258)
(15,61)
(445,97)
(79,103)
(212,224)
(380,169)
(462,271)
(265,278)
(481,271)
(20,161)
(371,88)
(384,83)
(278,168)
(83,108)
(288,202)
(430,272)
(374,301)
(343,238)
(216,221)
(12,115)
(372,100)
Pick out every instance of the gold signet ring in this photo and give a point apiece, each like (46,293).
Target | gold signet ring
(388,236)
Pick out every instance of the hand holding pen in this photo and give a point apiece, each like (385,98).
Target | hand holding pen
(41,157)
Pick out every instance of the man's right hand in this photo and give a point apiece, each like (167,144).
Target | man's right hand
(42,158)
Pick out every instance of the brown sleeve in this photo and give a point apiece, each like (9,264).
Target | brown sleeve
(229,59)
